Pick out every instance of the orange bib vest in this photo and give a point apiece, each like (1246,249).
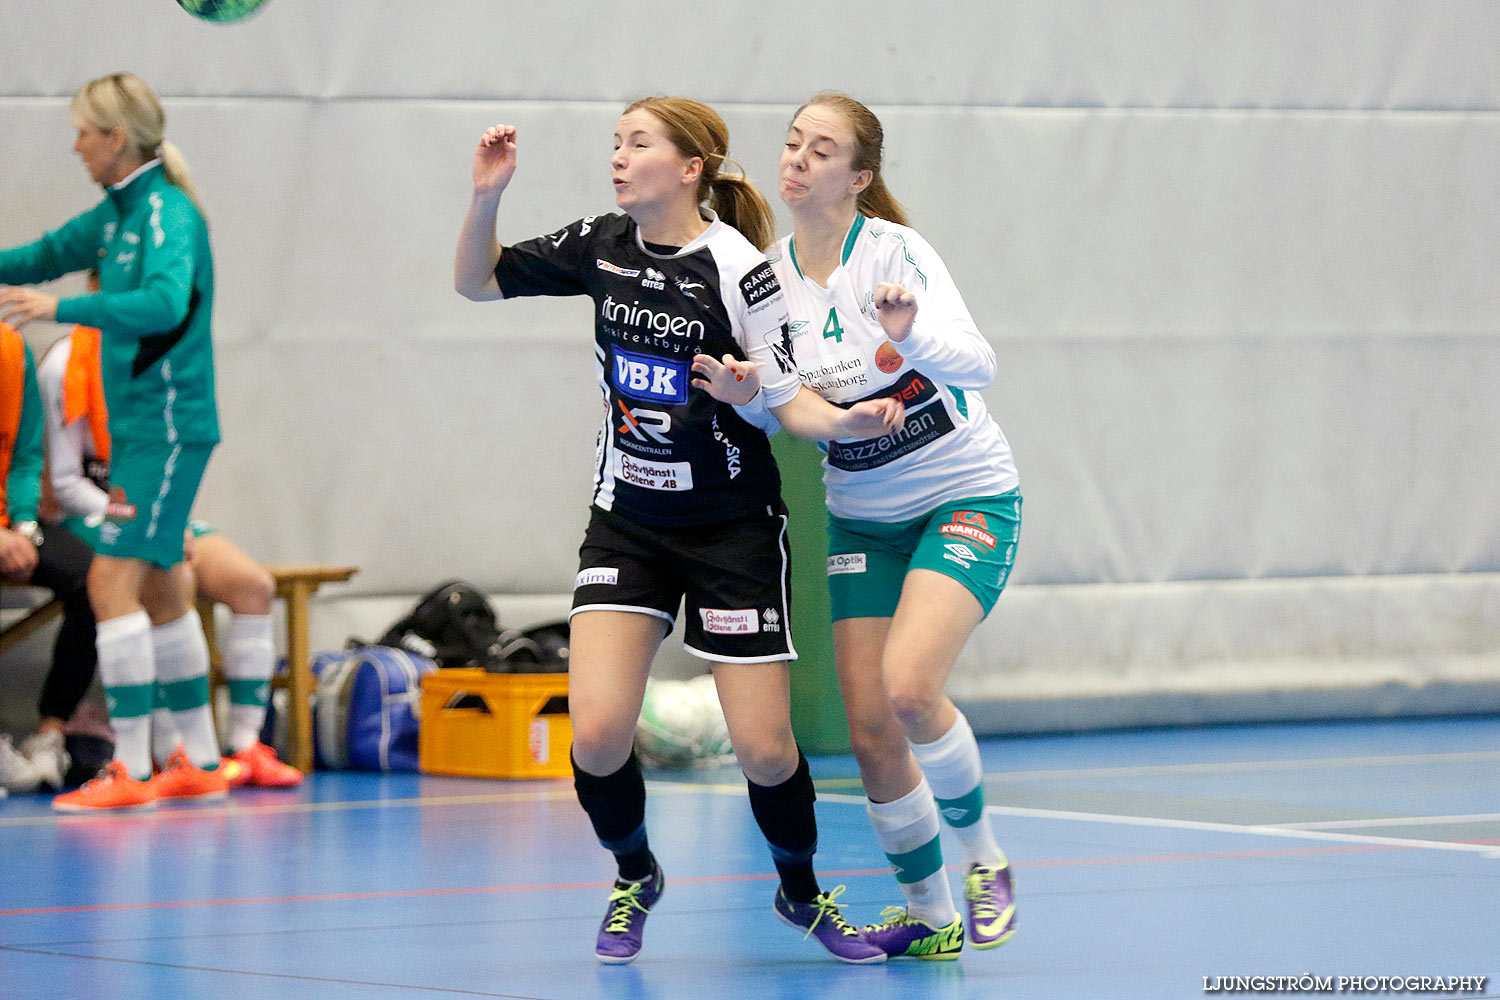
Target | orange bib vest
(83,388)
(12,398)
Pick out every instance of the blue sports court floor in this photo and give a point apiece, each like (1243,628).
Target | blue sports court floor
(1145,863)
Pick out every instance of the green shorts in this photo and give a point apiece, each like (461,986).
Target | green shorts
(971,540)
(152,486)
(80,528)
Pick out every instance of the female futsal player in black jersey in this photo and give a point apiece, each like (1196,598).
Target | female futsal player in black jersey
(686,498)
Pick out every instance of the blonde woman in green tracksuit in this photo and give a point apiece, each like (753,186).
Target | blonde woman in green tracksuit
(149,240)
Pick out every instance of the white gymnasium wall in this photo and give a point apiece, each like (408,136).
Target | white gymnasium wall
(1236,261)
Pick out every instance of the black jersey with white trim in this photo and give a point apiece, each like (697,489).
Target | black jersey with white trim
(669,454)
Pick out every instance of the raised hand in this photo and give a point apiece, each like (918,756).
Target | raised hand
(729,381)
(897,308)
(495,158)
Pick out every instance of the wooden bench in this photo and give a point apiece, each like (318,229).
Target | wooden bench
(34,618)
(295,584)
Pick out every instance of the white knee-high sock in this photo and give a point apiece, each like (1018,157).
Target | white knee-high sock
(951,764)
(182,669)
(128,672)
(249,657)
(908,833)
(164,738)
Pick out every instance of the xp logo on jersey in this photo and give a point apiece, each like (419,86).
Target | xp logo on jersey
(645,425)
(642,376)
(654,279)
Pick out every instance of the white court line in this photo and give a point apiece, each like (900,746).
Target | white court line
(1233,767)
(1484,850)
(1223,767)
(1351,824)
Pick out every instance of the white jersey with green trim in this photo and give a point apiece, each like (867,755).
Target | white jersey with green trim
(949,447)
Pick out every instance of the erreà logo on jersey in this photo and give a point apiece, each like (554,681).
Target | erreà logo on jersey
(759,284)
(624,272)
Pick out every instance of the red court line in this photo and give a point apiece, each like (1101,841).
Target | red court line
(1285,852)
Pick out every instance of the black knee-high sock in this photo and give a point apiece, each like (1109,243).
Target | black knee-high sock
(616,804)
(785,815)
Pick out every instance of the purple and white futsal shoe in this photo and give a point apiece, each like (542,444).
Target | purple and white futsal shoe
(823,920)
(625,919)
(992,905)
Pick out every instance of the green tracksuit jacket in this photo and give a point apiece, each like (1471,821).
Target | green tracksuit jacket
(154,307)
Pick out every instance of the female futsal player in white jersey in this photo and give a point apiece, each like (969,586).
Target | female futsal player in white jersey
(922,522)
(687,498)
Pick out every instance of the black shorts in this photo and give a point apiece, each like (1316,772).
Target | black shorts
(733,580)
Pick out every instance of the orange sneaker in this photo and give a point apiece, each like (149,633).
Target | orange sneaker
(182,779)
(113,789)
(262,768)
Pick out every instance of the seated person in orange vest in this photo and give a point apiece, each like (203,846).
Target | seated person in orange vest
(54,560)
(78,469)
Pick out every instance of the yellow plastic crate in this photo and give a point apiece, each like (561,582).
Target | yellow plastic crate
(484,725)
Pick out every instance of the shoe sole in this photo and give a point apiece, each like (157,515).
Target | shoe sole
(872,960)
(198,797)
(997,942)
(138,807)
(252,783)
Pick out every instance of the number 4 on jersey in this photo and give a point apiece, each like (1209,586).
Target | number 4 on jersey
(832,328)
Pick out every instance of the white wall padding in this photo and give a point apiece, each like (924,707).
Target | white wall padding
(1081,657)
(1236,262)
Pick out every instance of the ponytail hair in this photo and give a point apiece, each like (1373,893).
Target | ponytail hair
(741,205)
(876,199)
(697,130)
(123,100)
(175,166)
